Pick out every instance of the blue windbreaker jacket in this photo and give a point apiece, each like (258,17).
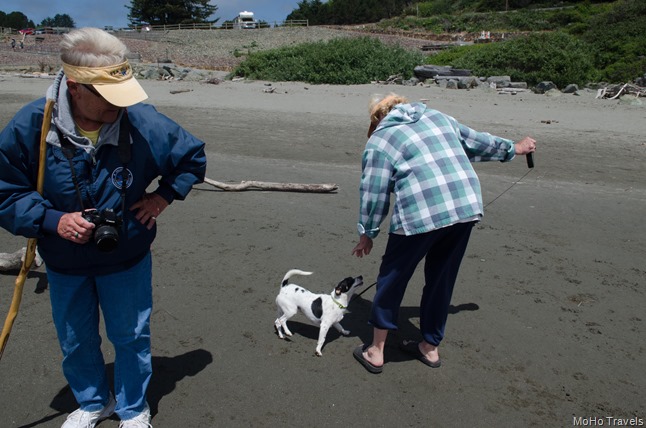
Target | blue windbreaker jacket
(160,148)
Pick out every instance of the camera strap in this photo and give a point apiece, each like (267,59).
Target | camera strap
(68,150)
(124,152)
(124,157)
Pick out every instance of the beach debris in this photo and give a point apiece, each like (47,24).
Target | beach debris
(13,261)
(395,79)
(615,91)
(179,91)
(280,187)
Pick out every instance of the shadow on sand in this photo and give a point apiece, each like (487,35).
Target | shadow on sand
(167,372)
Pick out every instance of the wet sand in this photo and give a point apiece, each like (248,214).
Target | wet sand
(547,318)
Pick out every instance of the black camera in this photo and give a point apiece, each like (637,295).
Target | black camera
(106,230)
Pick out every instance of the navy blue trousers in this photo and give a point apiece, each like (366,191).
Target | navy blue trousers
(443,250)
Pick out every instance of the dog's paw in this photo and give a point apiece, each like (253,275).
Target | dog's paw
(345,332)
(318,353)
(279,332)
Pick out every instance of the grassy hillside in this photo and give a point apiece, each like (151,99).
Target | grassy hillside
(586,42)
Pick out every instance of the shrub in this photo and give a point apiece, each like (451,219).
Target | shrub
(619,41)
(343,61)
(557,56)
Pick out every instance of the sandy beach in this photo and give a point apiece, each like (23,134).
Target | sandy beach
(547,322)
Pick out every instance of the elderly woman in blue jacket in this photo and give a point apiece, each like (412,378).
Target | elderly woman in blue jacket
(95,220)
(423,157)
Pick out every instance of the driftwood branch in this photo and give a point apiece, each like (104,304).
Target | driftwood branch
(615,91)
(281,187)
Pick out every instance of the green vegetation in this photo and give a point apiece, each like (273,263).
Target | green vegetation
(580,42)
(555,56)
(443,19)
(586,42)
(348,61)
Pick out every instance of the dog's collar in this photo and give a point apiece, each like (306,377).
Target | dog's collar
(339,304)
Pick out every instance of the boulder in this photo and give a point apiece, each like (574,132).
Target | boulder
(423,72)
(499,81)
(543,87)
(570,89)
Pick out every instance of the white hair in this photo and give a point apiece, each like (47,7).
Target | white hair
(92,47)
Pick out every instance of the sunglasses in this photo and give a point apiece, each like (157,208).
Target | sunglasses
(91,89)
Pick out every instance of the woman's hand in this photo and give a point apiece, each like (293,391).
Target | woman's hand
(73,227)
(149,207)
(363,247)
(525,146)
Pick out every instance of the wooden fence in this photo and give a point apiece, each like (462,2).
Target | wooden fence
(166,28)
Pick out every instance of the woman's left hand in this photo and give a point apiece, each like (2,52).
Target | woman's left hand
(149,207)
(363,248)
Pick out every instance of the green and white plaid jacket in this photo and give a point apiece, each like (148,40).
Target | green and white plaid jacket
(424,158)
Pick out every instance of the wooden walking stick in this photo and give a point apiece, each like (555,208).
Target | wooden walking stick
(30,253)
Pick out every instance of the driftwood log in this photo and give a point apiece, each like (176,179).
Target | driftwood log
(281,187)
(615,91)
(13,261)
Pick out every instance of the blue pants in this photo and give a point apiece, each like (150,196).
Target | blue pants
(443,249)
(125,299)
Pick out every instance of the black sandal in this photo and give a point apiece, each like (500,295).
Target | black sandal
(411,347)
(358,355)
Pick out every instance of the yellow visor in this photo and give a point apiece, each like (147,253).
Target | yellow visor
(115,83)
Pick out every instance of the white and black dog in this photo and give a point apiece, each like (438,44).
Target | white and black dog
(324,310)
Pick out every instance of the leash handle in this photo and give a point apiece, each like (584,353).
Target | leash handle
(530,160)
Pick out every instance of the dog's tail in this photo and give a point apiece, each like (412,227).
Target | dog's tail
(291,273)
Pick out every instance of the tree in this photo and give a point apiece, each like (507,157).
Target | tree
(170,12)
(59,20)
(17,20)
(343,12)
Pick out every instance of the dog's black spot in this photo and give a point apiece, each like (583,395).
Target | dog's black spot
(296,290)
(285,282)
(317,308)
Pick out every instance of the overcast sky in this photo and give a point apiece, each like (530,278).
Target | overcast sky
(101,13)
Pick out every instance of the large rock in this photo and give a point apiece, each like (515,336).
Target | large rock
(423,72)
(570,89)
(499,81)
(543,87)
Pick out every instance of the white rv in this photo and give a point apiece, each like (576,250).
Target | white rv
(245,20)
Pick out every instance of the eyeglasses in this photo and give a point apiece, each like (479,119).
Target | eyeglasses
(91,89)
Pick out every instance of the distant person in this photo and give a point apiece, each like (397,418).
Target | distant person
(422,157)
(13,44)
(96,221)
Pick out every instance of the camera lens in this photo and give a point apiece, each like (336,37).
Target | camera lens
(106,238)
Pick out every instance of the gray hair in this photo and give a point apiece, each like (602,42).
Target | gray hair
(92,47)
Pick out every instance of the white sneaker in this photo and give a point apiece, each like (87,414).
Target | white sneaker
(82,419)
(142,420)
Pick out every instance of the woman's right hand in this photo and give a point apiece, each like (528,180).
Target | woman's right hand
(73,227)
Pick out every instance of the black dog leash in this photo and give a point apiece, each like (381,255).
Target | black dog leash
(366,289)
(530,165)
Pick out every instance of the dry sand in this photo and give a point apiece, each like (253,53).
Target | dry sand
(547,324)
